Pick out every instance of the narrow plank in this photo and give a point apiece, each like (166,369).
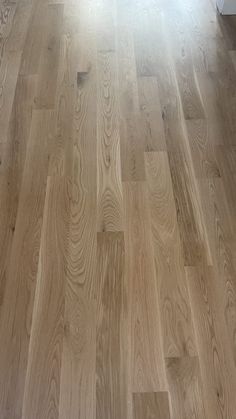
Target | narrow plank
(168,93)
(105,21)
(210,98)
(187,200)
(110,217)
(145,35)
(11,168)
(34,39)
(226,91)
(77,380)
(128,88)
(232,54)
(228,26)
(41,396)
(221,237)
(185,387)
(226,160)
(148,372)
(78,375)
(19,28)
(216,364)
(18,303)
(185,72)
(111,366)
(131,135)
(61,152)
(49,59)
(7,12)
(151,405)
(132,148)
(83,223)
(169,96)
(202,149)
(218,94)
(177,327)
(150,107)
(9,69)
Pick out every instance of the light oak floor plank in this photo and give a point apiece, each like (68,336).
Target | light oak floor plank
(110,217)
(78,379)
(21,275)
(111,339)
(117,210)
(177,326)
(148,372)
(151,405)
(12,167)
(40,400)
(49,58)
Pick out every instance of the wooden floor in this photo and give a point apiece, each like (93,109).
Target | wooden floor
(117,210)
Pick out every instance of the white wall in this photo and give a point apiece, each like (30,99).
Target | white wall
(227,7)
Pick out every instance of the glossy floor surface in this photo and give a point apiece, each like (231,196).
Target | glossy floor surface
(117,210)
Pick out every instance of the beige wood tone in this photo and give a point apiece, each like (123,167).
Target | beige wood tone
(151,405)
(117,210)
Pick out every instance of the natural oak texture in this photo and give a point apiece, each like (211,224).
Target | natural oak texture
(117,210)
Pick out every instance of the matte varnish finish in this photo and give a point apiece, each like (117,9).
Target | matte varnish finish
(117,210)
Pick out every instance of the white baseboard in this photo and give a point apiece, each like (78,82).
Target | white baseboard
(226,7)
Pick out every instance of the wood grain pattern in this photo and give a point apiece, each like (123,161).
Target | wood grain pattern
(105,23)
(117,210)
(109,173)
(148,372)
(49,58)
(77,381)
(34,40)
(176,322)
(9,69)
(226,161)
(144,34)
(83,224)
(187,200)
(185,73)
(220,233)
(111,339)
(21,275)
(77,389)
(151,405)
(47,325)
(203,151)
(128,88)
(150,107)
(185,387)
(61,156)
(217,369)
(132,148)
(12,167)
